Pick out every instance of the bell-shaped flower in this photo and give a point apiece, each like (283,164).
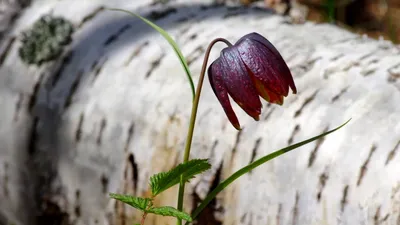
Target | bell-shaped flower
(252,67)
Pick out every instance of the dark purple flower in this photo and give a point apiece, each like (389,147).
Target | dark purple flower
(252,67)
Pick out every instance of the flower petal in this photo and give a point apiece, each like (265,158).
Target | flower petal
(266,94)
(275,98)
(215,75)
(263,66)
(264,60)
(287,73)
(239,84)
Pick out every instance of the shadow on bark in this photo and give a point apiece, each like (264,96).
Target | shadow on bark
(53,94)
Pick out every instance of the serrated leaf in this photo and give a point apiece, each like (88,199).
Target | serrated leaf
(170,211)
(136,202)
(162,181)
(171,42)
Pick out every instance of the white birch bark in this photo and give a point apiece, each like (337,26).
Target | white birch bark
(114,110)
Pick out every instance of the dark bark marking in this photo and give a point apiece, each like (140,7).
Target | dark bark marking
(368,72)
(212,6)
(18,105)
(366,56)
(234,11)
(78,132)
(120,211)
(278,214)
(207,216)
(51,214)
(255,149)
(302,69)
(135,171)
(104,183)
(156,15)
(322,182)
(73,89)
(269,114)
(232,14)
(313,154)
(6,51)
(373,61)
(385,218)
(393,77)
(336,97)
(313,61)
(343,202)
(131,130)
(115,36)
(337,57)
(97,68)
(77,208)
(295,211)
(154,65)
(214,146)
(34,95)
(243,217)
(183,19)
(103,125)
(136,52)
(184,30)
(389,70)
(204,115)
(67,58)
(33,137)
(295,131)
(363,169)
(377,216)
(238,135)
(6,178)
(193,36)
(91,15)
(392,153)
(305,103)
(197,53)
(94,64)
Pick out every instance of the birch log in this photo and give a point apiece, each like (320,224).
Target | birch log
(114,109)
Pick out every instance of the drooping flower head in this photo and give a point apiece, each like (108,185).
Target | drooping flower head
(252,67)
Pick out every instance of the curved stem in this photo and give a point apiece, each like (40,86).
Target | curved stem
(193,117)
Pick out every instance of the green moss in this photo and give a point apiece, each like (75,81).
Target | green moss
(45,40)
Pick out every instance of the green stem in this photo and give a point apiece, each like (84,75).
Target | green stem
(193,118)
(145,212)
(252,166)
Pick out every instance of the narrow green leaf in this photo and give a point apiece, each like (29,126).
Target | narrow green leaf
(162,181)
(170,41)
(170,211)
(136,202)
(253,165)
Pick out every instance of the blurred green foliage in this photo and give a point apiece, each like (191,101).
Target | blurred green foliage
(45,40)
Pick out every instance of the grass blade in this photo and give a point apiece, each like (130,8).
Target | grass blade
(253,165)
(170,41)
